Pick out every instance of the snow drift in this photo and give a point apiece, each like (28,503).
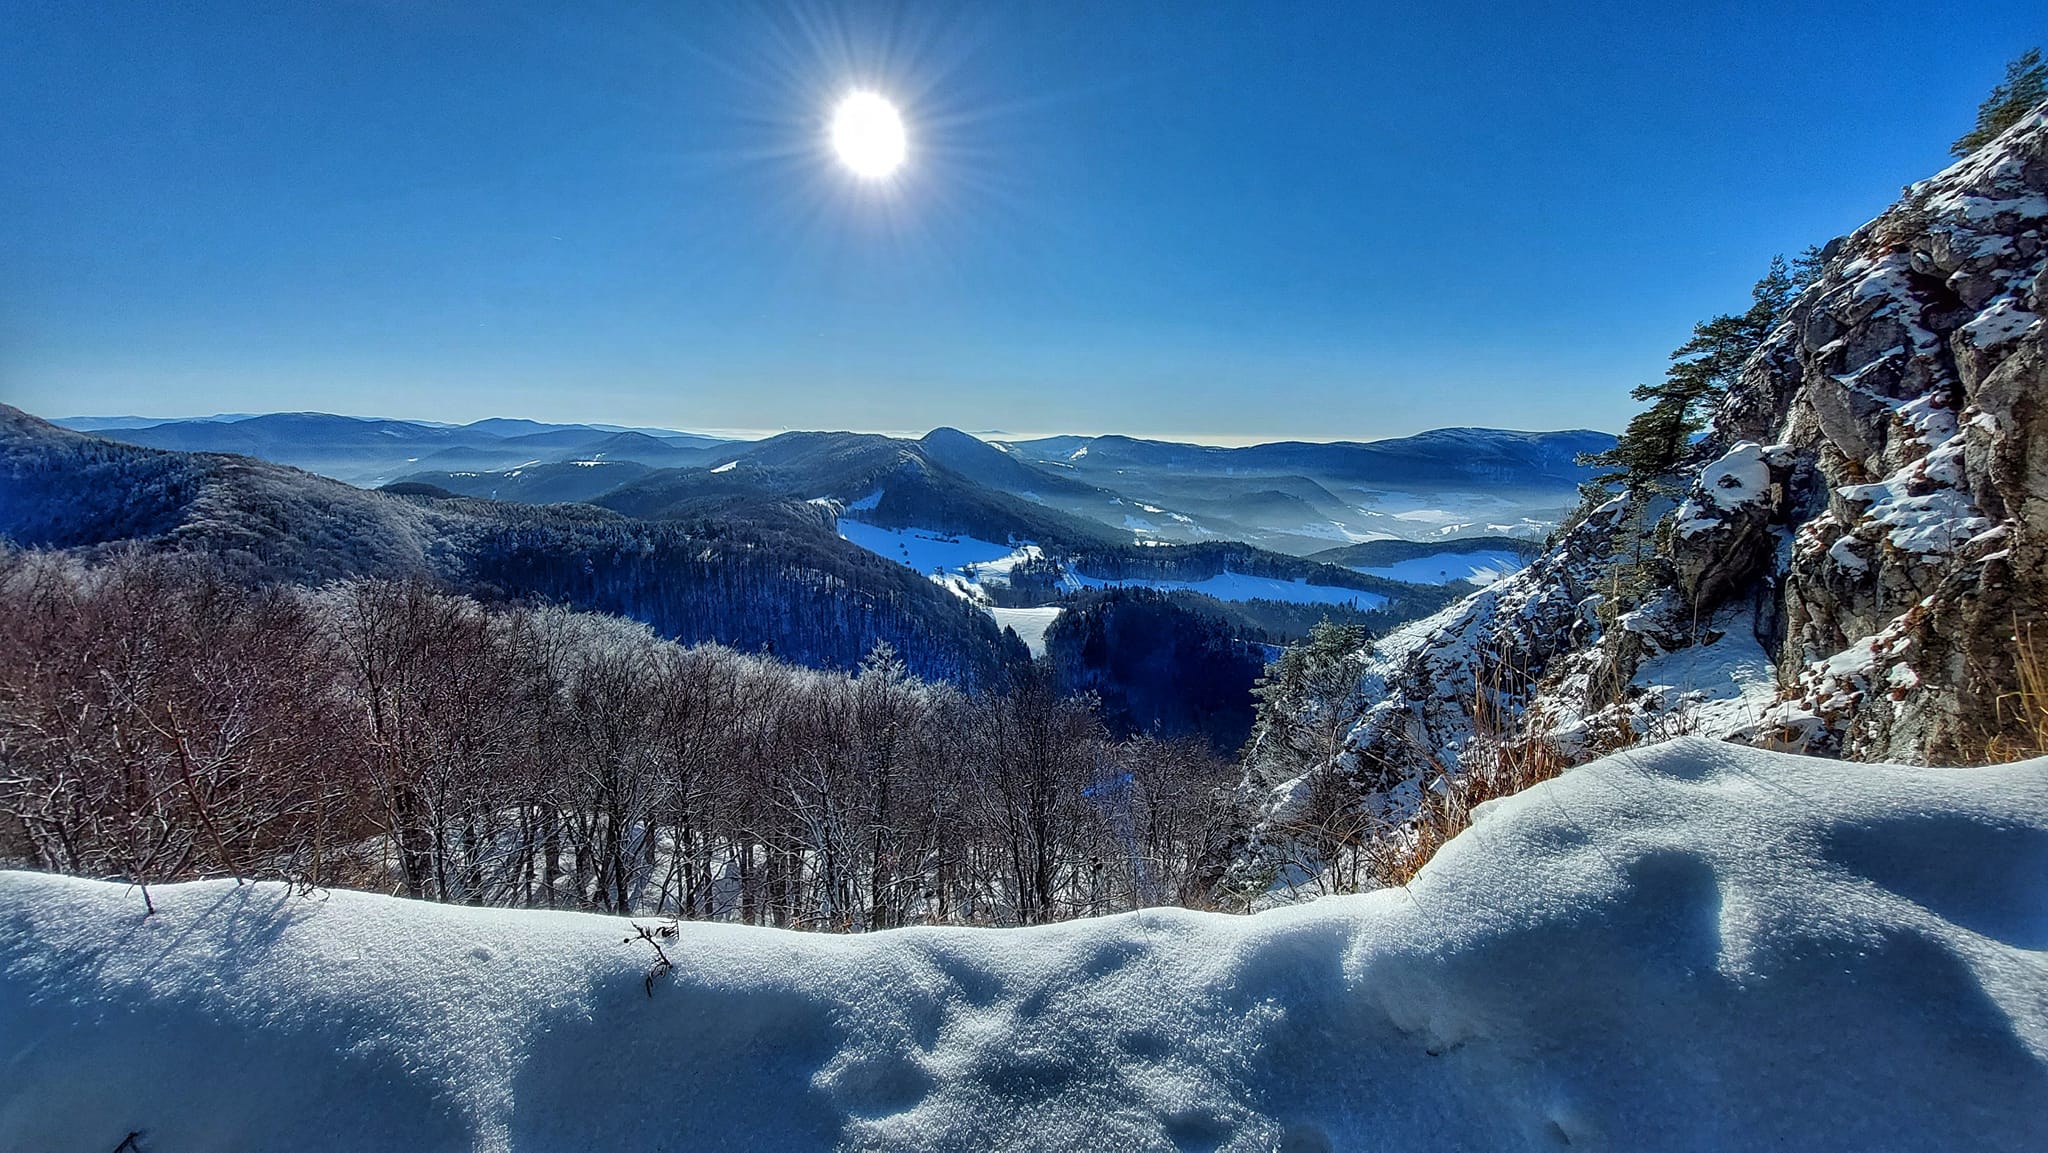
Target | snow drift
(1692,946)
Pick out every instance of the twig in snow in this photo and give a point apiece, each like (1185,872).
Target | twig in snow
(654,938)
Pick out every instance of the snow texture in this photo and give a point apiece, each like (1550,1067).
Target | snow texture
(1742,476)
(1692,946)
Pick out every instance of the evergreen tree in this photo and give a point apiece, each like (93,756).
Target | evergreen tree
(1702,369)
(1302,697)
(2024,86)
(1807,265)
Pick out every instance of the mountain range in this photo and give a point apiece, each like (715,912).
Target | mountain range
(1291,497)
(814,546)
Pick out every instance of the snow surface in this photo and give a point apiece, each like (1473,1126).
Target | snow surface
(961,563)
(1686,947)
(1029,623)
(1439,568)
(1720,687)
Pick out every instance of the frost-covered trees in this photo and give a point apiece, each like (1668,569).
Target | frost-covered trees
(1304,697)
(161,721)
(157,721)
(1306,707)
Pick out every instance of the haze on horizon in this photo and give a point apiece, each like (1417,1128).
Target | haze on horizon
(1199,224)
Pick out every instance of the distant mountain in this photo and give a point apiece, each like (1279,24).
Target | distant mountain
(1300,497)
(1445,456)
(770,575)
(104,423)
(887,481)
(1388,552)
(983,462)
(560,481)
(373,451)
(1294,497)
(939,492)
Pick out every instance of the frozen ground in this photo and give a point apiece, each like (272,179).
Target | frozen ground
(1688,947)
(1444,567)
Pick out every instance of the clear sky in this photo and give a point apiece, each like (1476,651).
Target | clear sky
(1213,221)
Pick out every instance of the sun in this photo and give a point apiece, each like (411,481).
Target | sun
(867,133)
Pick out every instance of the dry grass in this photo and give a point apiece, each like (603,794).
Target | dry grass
(1489,770)
(1498,762)
(2023,712)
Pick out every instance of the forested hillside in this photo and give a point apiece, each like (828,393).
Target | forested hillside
(160,720)
(763,576)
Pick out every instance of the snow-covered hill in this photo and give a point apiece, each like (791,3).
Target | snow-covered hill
(1695,946)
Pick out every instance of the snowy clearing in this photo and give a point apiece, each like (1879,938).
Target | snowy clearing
(961,563)
(1691,946)
(1232,586)
(1029,623)
(1439,568)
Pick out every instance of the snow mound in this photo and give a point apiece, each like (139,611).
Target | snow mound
(1740,477)
(1690,946)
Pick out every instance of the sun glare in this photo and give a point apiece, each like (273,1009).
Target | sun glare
(867,133)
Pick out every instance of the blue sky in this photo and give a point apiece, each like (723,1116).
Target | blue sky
(1212,221)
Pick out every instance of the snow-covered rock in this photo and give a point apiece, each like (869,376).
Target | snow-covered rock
(1905,385)
(1693,946)
(1858,562)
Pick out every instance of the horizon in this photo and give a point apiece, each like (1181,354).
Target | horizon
(1213,226)
(1352,746)
(756,434)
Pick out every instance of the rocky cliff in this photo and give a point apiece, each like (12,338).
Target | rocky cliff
(1909,467)
(1856,565)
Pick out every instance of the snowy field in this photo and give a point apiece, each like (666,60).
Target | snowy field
(963,563)
(1484,567)
(929,552)
(1029,623)
(1232,586)
(1689,947)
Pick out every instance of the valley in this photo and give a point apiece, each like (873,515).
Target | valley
(1010,528)
(1190,578)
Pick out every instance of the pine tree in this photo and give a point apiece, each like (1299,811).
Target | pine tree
(1301,713)
(1702,369)
(2024,86)
(1807,265)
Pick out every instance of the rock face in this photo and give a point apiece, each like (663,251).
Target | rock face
(1863,537)
(1901,400)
